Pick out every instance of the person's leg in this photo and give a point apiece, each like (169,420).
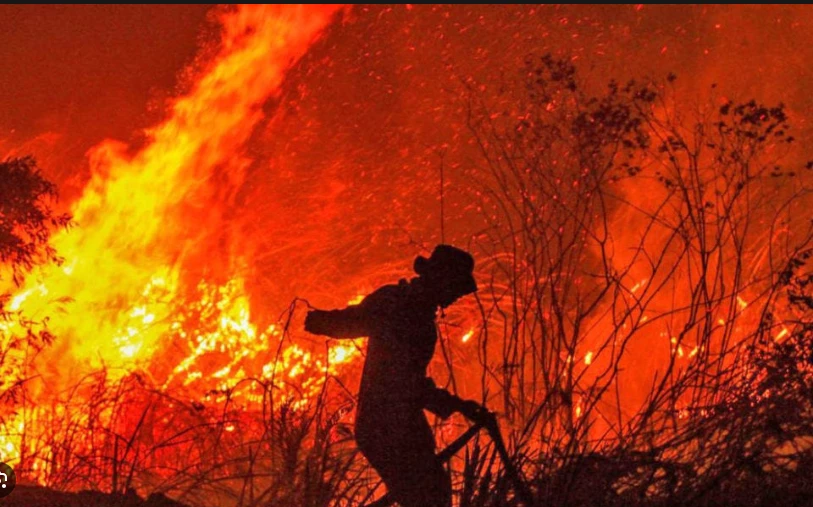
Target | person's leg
(424,484)
(402,451)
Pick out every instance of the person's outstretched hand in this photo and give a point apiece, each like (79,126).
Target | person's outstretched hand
(313,322)
(475,412)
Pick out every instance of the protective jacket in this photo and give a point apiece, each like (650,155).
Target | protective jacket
(400,323)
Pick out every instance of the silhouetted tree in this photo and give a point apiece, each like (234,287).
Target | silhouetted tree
(27,221)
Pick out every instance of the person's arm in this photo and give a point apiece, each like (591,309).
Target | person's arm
(355,320)
(442,403)
(347,323)
(373,313)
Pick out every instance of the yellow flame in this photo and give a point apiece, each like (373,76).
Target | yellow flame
(358,298)
(341,353)
(117,292)
(132,217)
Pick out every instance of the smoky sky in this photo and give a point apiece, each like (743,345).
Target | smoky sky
(364,115)
(99,67)
(71,76)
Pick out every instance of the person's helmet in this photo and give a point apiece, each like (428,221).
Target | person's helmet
(453,266)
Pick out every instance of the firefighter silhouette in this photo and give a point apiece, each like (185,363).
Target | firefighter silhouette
(391,429)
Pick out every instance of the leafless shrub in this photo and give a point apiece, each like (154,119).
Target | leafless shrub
(637,280)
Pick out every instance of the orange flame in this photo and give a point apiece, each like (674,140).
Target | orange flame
(126,254)
(118,290)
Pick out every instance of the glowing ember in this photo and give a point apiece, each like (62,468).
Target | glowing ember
(782,335)
(638,285)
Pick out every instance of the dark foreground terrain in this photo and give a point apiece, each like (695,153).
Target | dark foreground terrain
(34,496)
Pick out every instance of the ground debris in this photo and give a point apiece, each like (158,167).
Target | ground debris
(36,496)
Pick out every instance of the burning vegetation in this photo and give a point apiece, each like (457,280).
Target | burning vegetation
(642,329)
